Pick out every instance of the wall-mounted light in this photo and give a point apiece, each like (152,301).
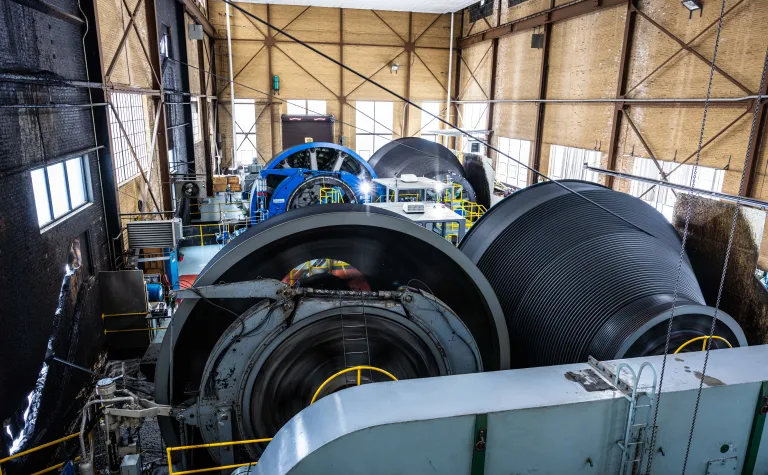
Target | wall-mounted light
(692,5)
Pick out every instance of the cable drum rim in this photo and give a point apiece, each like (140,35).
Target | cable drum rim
(568,273)
(331,220)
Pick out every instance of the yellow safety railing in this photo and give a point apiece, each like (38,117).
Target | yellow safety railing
(330,195)
(168,451)
(40,447)
(359,369)
(703,342)
(310,266)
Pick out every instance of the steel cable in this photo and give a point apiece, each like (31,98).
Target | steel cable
(689,211)
(725,262)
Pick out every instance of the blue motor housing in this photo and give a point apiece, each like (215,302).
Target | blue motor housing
(295,178)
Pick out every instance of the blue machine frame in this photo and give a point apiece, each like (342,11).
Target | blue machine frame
(294,177)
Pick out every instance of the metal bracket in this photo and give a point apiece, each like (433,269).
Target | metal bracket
(149,409)
(226,452)
(480,444)
(260,288)
(608,373)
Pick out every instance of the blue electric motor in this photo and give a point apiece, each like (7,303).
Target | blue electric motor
(309,174)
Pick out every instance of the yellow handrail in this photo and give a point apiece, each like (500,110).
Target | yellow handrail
(54,467)
(703,344)
(168,451)
(35,449)
(347,370)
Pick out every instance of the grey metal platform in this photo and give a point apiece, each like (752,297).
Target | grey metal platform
(434,213)
(539,421)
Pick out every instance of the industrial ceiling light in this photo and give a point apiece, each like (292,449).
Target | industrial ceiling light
(394,67)
(692,5)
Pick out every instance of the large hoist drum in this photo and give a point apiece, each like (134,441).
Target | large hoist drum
(577,280)
(262,359)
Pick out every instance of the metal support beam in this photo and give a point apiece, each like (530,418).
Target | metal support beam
(685,45)
(205,127)
(131,21)
(232,82)
(153,37)
(756,145)
(621,84)
(342,97)
(194,11)
(552,15)
(269,40)
(538,142)
(492,92)
(133,154)
(408,47)
(94,61)
(51,11)
(457,82)
(743,201)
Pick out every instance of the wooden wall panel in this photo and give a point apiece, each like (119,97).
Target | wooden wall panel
(429,79)
(111,14)
(583,63)
(518,73)
(372,42)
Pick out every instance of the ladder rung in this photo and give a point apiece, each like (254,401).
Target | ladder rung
(355,339)
(353,326)
(639,425)
(644,405)
(356,352)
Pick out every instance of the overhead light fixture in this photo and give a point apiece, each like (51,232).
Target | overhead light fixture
(692,5)
(394,67)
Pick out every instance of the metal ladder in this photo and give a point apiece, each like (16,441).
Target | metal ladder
(357,351)
(635,434)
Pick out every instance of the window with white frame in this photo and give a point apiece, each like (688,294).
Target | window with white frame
(195,104)
(509,171)
(59,189)
(663,198)
(568,163)
(429,123)
(305,107)
(130,111)
(474,116)
(374,122)
(245,131)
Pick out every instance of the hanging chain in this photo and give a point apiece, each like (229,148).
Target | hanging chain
(688,213)
(727,258)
